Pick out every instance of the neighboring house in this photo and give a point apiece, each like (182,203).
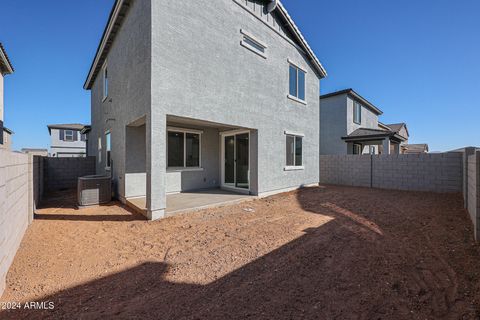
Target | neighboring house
(5,69)
(415,148)
(349,125)
(7,139)
(35,152)
(66,140)
(204,94)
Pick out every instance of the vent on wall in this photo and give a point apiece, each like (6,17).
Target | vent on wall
(253,44)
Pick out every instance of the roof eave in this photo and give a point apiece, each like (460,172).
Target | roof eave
(318,65)
(5,61)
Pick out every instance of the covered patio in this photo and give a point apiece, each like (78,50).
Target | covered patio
(206,164)
(193,200)
(373,141)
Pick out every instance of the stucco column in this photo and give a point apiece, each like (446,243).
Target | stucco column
(468,152)
(156,128)
(386,146)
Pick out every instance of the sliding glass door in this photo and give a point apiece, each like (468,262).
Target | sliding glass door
(236,171)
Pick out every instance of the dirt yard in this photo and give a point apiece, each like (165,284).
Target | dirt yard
(320,253)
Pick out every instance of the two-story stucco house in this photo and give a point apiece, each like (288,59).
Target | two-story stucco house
(67,140)
(202,94)
(5,69)
(349,125)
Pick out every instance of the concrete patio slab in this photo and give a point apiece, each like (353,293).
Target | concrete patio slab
(193,200)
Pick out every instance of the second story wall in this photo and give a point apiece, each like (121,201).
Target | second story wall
(333,124)
(368,119)
(60,140)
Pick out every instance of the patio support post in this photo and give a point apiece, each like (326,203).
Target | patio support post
(156,129)
(396,149)
(386,146)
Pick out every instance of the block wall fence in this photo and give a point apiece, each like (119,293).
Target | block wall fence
(23,181)
(453,172)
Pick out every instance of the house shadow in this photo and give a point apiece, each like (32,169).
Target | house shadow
(66,201)
(334,271)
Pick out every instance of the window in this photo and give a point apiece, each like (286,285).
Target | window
(294,155)
(183,149)
(357,148)
(99,149)
(108,149)
(105,82)
(357,113)
(83,136)
(69,135)
(296,83)
(253,44)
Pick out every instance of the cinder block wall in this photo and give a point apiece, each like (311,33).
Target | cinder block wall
(63,173)
(441,172)
(473,191)
(424,172)
(14,207)
(351,170)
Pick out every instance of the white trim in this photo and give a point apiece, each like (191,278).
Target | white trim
(184,169)
(293,168)
(255,39)
(289,96)
(185,131)
(249,47)
(105,69)
(297,65)
(6,62)
(291,133)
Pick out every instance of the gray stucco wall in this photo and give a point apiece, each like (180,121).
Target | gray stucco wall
(333,125)
(129,67)
(185,59)
(336,121)
(201,71)
(368,120)
(423,172)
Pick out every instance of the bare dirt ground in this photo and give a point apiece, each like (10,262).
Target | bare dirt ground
(319,253)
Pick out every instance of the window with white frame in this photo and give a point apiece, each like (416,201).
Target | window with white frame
(105,82)
(296,82)
(294,148)
(357,148)
(253,44)
(108,149)
(183,149)
(69,135)
(357,113)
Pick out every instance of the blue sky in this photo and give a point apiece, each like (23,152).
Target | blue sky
(417,60)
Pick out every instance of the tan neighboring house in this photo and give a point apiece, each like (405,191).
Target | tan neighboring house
(5,69)
(415,148)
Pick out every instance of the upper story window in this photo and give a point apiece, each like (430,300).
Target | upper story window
(99,146)
(294,151)
(253,44)
(69,135)
(296,83)
(357,113)
(183,150)
(105,82)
